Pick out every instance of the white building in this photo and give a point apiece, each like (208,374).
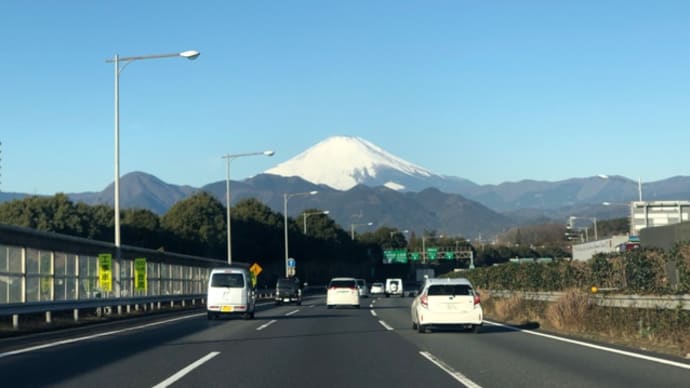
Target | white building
(585,251)
(657,213)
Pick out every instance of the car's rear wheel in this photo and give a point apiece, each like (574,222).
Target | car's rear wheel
(476,328)
(211,316)
(414,326)
(421,328)
(329,306)
(356,306)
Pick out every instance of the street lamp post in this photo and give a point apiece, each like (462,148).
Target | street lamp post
(639,185)
(229,158)
(305,215)
(353,226)
(286,198)
(594,222)
(190,54)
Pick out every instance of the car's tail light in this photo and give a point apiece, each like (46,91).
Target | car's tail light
(476,299)
(424,300)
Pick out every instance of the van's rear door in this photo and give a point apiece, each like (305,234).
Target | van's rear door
(227,290)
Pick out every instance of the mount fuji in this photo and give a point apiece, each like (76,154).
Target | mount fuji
(343,162)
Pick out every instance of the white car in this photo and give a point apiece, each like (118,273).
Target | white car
(446,302)
(362,288)
(377,288)
(230,292)
(342,292)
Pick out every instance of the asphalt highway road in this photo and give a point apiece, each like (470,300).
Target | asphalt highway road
(311,346)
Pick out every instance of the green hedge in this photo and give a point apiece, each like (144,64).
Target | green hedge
(637,272)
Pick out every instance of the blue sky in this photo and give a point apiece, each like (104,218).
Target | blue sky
(491,91)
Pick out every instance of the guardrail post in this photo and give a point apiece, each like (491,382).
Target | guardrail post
(75,314)
(15,321)
(119,310)
(49,317)
(183,303)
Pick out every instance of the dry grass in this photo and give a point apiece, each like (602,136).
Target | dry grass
(662,331)
(570,312)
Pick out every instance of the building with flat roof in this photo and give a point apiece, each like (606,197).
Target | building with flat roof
(644,214)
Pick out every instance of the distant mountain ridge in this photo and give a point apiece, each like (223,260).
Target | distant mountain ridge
(389,191)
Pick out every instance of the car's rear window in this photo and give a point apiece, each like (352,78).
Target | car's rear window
(286,283)
(342,284)
(234,280)
(450,289)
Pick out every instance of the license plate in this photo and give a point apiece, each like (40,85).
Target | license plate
(226,309)
(451,306)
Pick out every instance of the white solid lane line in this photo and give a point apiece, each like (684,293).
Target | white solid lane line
(456,375)
(373,312)
(265,325)
(593,346)
(292,312)
(88,337)
(384,324)
(172,379)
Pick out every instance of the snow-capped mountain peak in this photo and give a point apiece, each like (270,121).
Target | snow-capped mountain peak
(343,162)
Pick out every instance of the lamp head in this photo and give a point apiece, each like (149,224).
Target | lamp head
(190,54)
(269,153)
(313,192)
(326,212)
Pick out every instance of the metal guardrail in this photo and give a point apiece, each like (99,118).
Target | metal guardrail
(103,306)
(669,302)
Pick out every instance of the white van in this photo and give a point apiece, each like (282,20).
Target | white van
(394,286)
(230,292)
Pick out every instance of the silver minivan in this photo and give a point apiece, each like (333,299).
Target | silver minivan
(230,292)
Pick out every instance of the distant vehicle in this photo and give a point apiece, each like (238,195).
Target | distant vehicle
(446,302)
(627,246)
(394,286)
(342,292)
(288,290)
(230,292)
(362,288)
(377,288)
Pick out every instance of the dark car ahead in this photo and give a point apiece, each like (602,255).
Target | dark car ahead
(288,290)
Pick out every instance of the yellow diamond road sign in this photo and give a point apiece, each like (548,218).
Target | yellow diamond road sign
(256,269)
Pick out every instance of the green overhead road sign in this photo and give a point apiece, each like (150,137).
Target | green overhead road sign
(449,255)
(432,253)
(415,256)
(395,256)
